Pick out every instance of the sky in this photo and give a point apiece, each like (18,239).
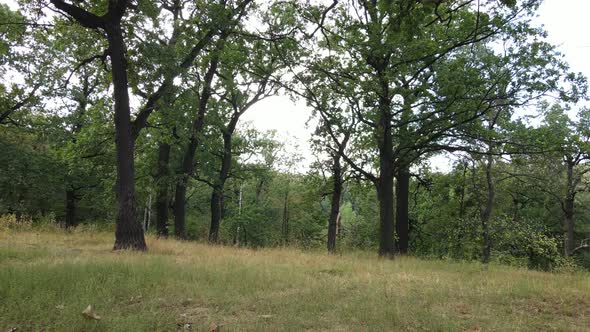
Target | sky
(564,20)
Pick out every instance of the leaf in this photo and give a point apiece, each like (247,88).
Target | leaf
(213,327)
(89,313)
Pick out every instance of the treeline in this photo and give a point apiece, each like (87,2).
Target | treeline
(124,111)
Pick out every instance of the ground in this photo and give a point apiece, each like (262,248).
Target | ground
(47,278)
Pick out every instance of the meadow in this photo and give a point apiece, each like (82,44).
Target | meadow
(47,278)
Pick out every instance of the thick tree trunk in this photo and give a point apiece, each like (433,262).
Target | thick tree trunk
(402,222)
(386,176)
(162,198)
(487,212)
(71,209)
(129,232)
(335,202)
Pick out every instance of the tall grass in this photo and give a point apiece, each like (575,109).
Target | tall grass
(47,278)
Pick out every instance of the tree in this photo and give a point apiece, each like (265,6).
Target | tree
(129,232)
(570,140)
(389,54)
(254,63)
(229,19)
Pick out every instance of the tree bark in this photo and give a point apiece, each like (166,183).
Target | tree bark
(129,232)
(568,210)
(384,137)
(285,225)
(487,212)
(386,175)
(71,209)
(216,207)
(217,194)
(187,167)
(335,202)
(402,222)
(162,194)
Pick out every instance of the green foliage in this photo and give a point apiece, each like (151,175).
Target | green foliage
(30,175)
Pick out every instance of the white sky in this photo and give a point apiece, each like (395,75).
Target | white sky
(565,21)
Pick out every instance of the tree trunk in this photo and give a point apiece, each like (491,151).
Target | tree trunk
(462,195)
(402,222)
(217,195)
(568,211)
(487,212)
(259,187)
(187,166)
(162,198)
(568,226)
(335,208)
(71,209)
(216,206)
(286,218)
(129,232)
(180,209)
(147,214)
(385,182)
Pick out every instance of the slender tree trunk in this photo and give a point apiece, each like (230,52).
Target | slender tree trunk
(187,167)
(402,222)
(162,195)
(259,187)
(71,209)
(180,209)
(462,196)
(216,206)
(336,197)
(568,211)
(217,194)
(147,217)
(487,212)
(568,225)
(286,218)
(129,232)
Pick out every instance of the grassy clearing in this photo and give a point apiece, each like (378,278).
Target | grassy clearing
(48,278)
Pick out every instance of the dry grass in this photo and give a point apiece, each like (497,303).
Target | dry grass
(48,278)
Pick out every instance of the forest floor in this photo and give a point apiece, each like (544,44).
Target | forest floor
(48,278)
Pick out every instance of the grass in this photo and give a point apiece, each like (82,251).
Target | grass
(48,278)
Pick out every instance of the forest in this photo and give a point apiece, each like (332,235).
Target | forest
(127,116)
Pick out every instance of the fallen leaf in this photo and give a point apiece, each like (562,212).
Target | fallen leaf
(89,313)
(60,307)
(213,327)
